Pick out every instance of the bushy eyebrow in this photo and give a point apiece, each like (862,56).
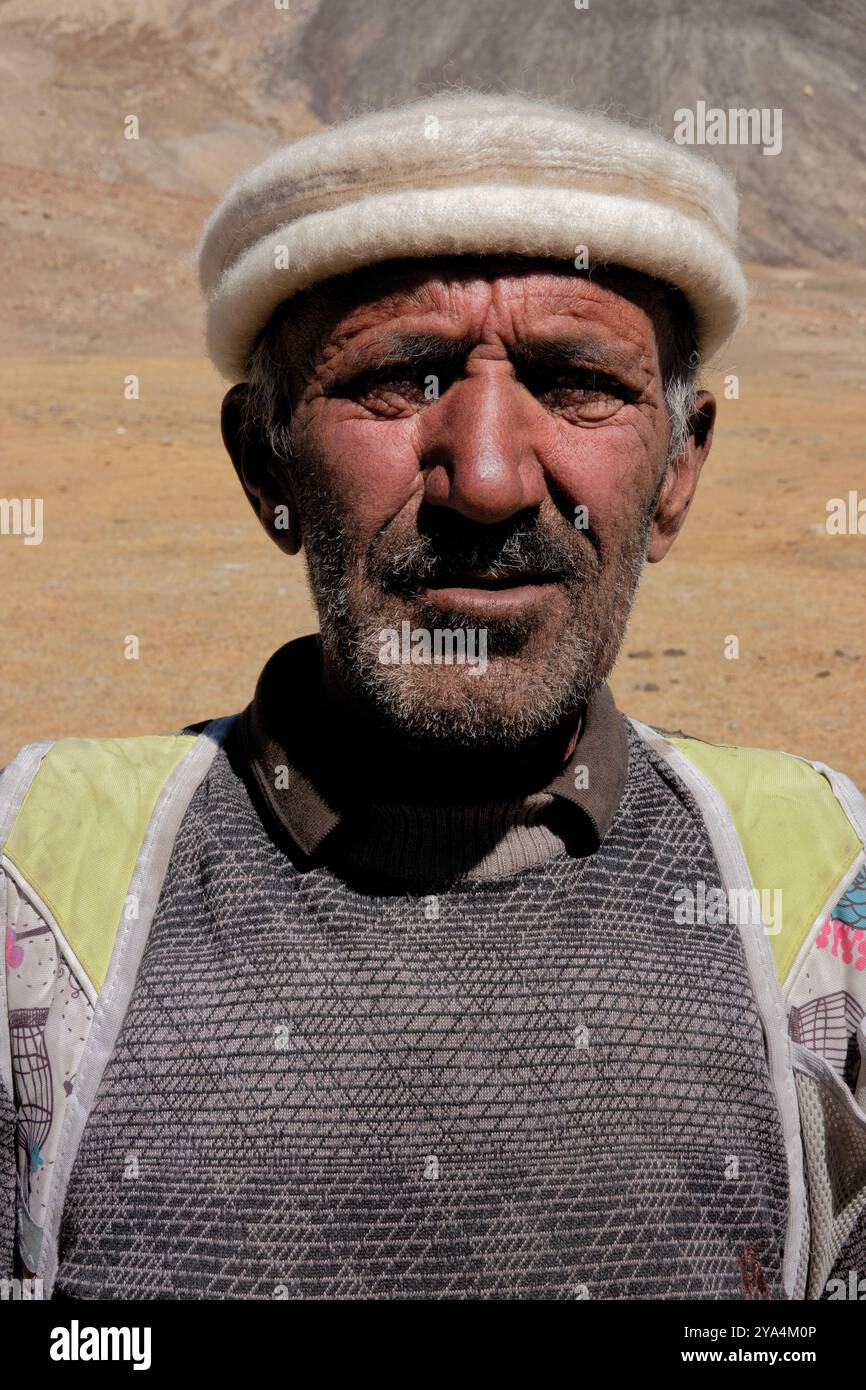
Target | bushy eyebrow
(534,353)
(412,348)
(415,348)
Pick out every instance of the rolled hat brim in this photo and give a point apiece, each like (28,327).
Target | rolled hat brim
(629,197)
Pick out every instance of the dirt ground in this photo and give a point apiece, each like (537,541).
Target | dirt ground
(146,534)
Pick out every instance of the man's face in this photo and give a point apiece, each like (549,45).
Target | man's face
(476,450)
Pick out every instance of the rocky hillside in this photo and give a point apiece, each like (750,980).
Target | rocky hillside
(99,229)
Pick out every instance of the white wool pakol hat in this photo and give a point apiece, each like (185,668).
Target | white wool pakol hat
(469,174)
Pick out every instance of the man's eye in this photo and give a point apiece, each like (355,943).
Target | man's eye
(579,391)
(395,389)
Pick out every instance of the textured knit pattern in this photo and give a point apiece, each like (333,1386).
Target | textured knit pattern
(446,843)
(7,1184)
(834,1141)
(529,1087)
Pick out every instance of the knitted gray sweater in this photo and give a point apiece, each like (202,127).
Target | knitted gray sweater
(537,1085)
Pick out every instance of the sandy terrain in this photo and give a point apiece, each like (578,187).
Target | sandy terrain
(147,534)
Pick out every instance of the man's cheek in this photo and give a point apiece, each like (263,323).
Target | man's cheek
(374,466)
(601,465)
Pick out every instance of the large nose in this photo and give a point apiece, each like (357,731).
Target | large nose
(477,447)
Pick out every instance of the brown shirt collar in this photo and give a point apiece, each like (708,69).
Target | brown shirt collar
(283,742)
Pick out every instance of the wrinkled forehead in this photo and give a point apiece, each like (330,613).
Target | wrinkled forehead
(376,294)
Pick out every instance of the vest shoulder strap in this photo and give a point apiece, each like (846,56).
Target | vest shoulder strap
(798,838)
(78,831)
(87,828)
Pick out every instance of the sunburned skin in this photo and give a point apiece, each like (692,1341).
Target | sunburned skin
(477,446)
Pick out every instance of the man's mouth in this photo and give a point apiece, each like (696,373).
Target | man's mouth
(492,582)
(496,595)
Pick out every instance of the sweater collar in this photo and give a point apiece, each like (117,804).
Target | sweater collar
(285,742)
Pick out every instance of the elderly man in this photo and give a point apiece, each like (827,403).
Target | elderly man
(430,974)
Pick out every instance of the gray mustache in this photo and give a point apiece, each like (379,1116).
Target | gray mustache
(428,560)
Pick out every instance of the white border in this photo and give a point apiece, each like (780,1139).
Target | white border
(147,880)
(14,786)
(819,1069)
(762,973)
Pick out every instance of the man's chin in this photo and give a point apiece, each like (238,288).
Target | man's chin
(470,694)
(437,678)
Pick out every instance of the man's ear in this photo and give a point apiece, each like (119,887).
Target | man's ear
(262,476)
(681,479)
